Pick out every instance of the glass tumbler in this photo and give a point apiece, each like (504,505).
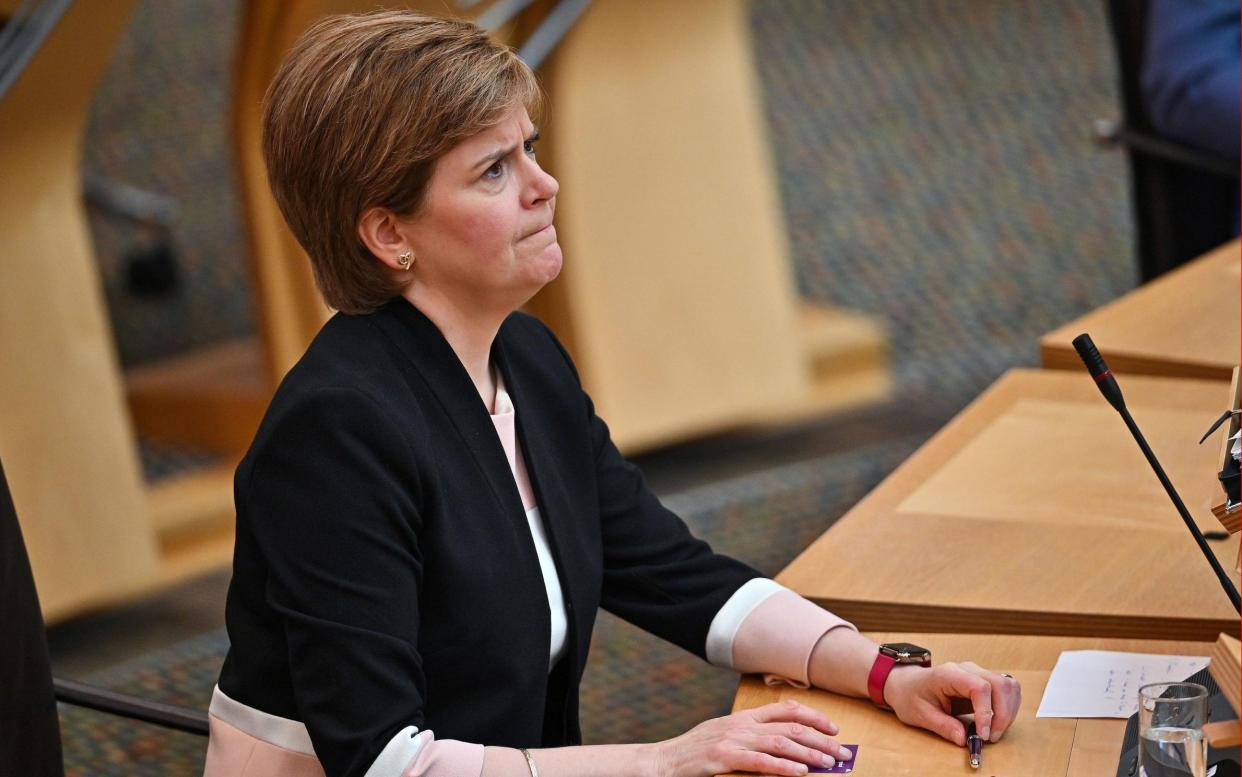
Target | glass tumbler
(1171,718)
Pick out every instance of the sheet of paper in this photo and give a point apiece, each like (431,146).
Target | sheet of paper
(1104,684)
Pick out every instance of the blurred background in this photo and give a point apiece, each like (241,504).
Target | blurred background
(850,216)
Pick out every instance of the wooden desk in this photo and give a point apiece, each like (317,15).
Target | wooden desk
(1183,324)
(1033,512)
(1033,747)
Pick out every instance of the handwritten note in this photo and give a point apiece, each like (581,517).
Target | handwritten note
(1104,684)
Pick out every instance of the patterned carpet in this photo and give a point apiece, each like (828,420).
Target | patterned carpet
(97,745)
(935,169)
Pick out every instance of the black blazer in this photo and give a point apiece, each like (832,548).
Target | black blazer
(384,572)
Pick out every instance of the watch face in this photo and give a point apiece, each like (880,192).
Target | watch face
(906,653)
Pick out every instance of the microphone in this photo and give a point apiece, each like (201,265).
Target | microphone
(1112,392)
(1099,370)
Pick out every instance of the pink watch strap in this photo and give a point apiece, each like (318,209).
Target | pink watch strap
(878,676)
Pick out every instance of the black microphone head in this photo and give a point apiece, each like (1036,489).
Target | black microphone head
(1090,355)
(1099,370)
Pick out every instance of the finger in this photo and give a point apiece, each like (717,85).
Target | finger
(1006,700)
(793,711)
(981,699)
(781,746)
(751,761)
(809,737)
(934,719)
(1006,697)
(963,682)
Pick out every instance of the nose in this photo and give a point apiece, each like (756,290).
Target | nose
(541,186)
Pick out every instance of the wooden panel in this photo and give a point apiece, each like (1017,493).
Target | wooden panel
(64,433)
(1184,323)
(847,355)
(1226,668)
(683,310)
(211,398)
(184,506)
(289,308)
(1230,519)
(1033,747)
(1021,519)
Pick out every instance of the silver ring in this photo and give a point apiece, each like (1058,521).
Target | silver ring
(1007,675)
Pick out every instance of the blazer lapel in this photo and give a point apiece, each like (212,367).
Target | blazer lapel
(551,492)
(432,359)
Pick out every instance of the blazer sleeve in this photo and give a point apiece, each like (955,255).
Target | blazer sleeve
(330,501)
(657,575)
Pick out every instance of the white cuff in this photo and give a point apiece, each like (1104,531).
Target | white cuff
(398,753)
(725,625)
(273,729)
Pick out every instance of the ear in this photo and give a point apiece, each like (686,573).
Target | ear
(380,231)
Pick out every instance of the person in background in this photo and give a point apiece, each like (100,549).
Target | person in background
(1190,73)
(431,513)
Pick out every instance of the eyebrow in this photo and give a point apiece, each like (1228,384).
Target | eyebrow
(499,154)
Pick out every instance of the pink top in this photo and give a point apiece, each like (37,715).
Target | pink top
(764,627)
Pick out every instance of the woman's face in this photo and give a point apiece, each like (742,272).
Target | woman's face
(483,236)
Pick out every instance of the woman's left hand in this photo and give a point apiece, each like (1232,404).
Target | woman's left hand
(925,697)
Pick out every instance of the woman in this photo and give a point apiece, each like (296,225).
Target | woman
(431,512)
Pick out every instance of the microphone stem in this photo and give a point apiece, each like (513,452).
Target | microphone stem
(1230,590)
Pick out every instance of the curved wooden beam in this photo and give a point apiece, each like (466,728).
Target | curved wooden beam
(64,433)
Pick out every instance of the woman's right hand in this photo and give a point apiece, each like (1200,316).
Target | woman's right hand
(781,738)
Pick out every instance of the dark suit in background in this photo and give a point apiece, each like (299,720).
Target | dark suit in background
(29,728)
(1190,72)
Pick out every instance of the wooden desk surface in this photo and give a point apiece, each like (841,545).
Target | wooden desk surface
(1183,324)
(1033,512)
(1044,747)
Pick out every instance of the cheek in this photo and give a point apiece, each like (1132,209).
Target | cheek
(486,230)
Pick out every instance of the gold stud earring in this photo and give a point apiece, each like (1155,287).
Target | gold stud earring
(404,260)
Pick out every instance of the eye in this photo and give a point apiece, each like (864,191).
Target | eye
(494,172)
(529,147)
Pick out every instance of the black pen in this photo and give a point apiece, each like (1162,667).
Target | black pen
(975,743)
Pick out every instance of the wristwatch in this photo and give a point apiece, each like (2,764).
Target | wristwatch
(892,654)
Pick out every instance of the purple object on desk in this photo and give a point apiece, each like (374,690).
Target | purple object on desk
(842,767)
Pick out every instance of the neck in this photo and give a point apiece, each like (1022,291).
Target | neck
(468,334)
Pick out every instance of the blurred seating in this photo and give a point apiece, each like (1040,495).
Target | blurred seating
(29,728)
(1184,199)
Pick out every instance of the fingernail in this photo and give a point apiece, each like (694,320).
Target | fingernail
(827,762)
(846,754)
(985,731)
(803,768)
(960,738)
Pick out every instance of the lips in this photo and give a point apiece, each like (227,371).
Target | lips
(540,230)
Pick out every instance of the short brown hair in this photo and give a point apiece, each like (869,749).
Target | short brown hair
(357,116)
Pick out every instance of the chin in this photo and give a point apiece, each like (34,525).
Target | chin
(549,264)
